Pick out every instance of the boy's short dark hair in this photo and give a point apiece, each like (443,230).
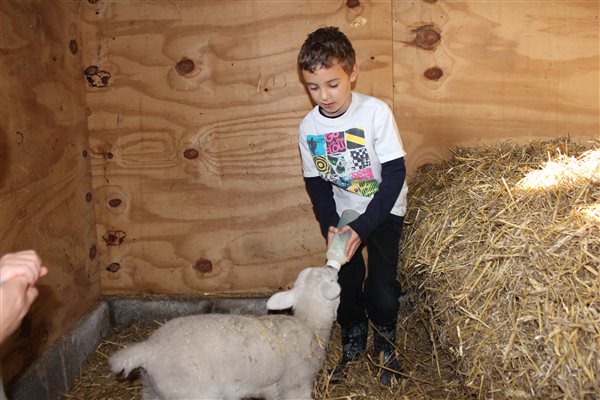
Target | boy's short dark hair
(325,46)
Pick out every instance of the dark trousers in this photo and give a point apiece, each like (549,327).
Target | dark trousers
(377,296)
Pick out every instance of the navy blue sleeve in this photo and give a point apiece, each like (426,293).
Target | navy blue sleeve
(393,174)
(321,196)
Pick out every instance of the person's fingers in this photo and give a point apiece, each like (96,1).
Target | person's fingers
(16,297)
(12,269)
(28,257)
(352,245)
(16,285)
(330,234)
(23,263)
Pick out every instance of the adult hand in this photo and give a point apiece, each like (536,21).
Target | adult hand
(16,296)
(18,274)
(23,263)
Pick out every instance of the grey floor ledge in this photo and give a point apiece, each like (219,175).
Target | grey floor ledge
(53,374)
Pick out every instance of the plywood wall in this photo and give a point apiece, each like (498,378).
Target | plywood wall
(468,72)
(194,108)
(46,199)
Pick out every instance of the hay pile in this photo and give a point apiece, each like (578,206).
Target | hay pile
(504,254)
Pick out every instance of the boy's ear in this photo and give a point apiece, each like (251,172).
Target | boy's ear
(354,73)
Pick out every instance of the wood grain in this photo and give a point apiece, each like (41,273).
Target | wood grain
(194,132)
(515,71)
(195,138)
(46,194)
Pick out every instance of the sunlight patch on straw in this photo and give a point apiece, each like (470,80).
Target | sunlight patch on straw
(564,171)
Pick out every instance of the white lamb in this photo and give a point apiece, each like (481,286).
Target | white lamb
(226,356)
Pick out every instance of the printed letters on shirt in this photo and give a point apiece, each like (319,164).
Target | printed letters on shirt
(343,159)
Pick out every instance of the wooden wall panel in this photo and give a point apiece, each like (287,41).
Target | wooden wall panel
(505,70)
(194,108)
(45,179)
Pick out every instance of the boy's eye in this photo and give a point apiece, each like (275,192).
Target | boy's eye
(313,88)
(333,86)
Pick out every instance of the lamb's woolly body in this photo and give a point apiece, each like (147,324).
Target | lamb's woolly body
(226,356)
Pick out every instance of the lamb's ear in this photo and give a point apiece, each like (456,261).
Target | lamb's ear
(330,290)
(281,300)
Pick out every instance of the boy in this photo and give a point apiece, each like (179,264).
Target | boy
(352,158)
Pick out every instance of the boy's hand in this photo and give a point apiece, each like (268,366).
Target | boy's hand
(353,243)
(26,264)
(330,234)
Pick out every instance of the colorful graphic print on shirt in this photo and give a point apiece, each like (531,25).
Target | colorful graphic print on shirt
(342,159)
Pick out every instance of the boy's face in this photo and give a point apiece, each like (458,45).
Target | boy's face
(331,88)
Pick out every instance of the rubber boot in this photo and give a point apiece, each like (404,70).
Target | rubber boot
(386,355)
(354,343)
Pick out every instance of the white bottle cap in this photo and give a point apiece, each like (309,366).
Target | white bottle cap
(334,264)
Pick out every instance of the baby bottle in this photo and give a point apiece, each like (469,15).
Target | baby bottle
(335,251)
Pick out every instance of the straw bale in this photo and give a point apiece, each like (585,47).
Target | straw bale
(502,247)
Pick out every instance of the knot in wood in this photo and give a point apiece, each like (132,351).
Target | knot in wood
(114,202)
(97,77)
(73,46)
(114,237)
(202,265)
(93,251)
(114,267)
(91,70)
(426,37)
(184,66)
(191,153)
(433,73)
